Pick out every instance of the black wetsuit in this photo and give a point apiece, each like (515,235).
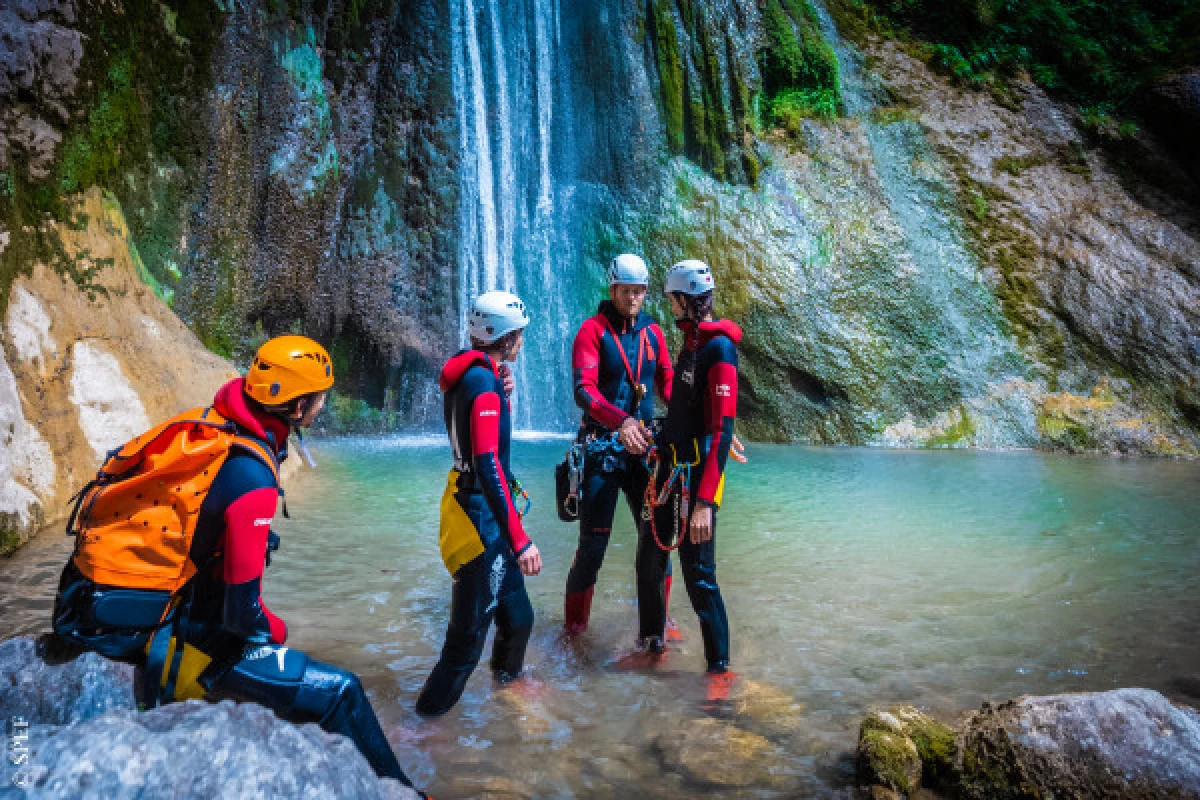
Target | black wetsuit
(699,431)
(480,537)
(611,359)
(224,614)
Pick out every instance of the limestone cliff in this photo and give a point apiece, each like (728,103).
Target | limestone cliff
(86,369)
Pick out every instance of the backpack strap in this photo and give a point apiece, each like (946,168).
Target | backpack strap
(259,450)
(265,454)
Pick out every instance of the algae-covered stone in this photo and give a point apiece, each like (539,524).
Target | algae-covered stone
(902,749)
(887,757)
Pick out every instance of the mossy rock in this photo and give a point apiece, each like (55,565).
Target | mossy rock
(886,757)
(903,749)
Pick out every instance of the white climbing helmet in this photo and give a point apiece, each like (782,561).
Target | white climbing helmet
(691,277)
(628,268)
(494,314)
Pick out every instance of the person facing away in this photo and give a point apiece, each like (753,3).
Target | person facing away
(483,543)
(233,645)
(693,446)
(619,359)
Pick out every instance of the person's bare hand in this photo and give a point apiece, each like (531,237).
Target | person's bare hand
(633,437)
(700,525)
(737,450)
(530,562)
(506,375)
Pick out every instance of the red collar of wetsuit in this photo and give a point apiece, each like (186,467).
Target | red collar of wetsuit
(704,332)
(231,403)
(457,366)
(620,323)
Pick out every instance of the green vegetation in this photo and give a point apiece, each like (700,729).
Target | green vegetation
(670,70)
(799,69)
(142,75)
(1100,54)
(956,435)
(791,107)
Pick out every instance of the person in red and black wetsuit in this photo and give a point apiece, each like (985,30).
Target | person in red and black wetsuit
(620,357)
(482,540)
(698,431)
(224,617)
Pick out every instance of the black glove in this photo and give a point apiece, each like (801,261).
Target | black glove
(273,541)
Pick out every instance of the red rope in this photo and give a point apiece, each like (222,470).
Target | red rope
(651,502)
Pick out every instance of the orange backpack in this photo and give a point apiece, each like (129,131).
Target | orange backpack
(134,523)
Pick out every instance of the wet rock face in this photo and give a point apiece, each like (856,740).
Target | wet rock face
(88,739)
(1173,108)
(40,56)
(330,200)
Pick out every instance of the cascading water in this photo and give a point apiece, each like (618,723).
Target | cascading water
(515,213)
(935,268)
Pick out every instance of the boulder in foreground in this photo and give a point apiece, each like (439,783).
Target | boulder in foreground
(1132,744)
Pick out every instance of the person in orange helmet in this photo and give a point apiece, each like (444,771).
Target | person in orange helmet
(232,644)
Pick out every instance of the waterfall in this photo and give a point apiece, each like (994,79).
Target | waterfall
(514,225)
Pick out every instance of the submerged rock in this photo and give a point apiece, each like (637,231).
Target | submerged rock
(765,709)
(717,754)
(1128,743)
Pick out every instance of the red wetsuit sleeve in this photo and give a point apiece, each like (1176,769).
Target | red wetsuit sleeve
(720,406)
(585,363)
(247,523)
(485,447)
(664,375)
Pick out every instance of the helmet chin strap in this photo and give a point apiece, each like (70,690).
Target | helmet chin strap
(302,448)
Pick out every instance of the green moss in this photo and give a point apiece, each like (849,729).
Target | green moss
(13,532)
(890,757)
(344,414)
(958,434)
(1013,255)
(799,68)
(93,154)
(796,55)
(146,66)
(1062,431)
(938,748)
(670,70)
(1015,165)
(10,538)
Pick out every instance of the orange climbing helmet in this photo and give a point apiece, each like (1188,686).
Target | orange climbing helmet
(288,367)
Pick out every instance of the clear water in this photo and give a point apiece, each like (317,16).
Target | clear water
(853,578)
